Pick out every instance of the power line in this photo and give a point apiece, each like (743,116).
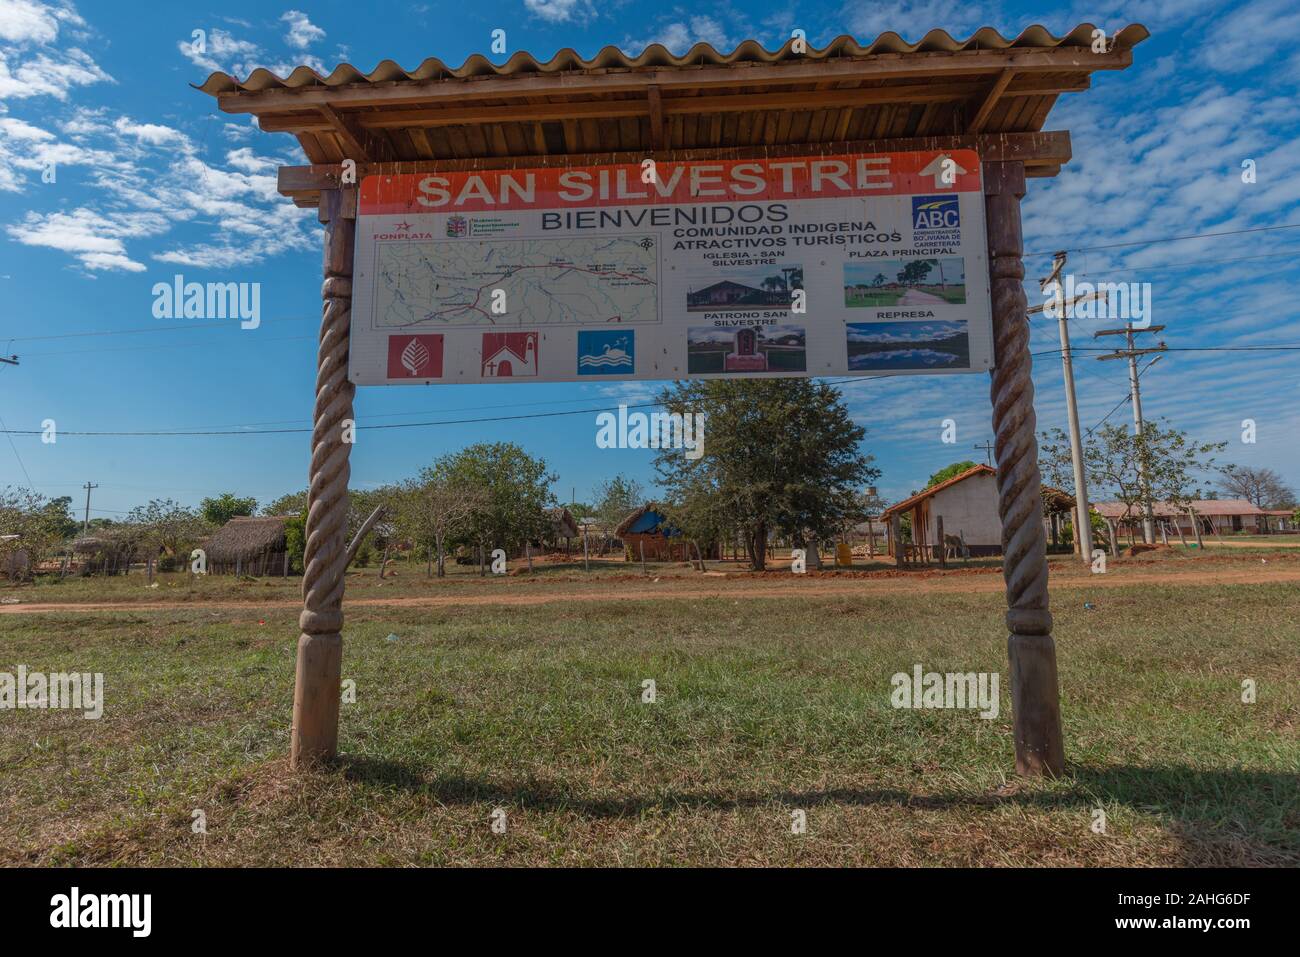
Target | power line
(543,415)
(1165,239)
(145,330)
(10,436)
(1197,262)
(1122,401)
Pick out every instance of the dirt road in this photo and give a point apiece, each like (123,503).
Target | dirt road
(685,589)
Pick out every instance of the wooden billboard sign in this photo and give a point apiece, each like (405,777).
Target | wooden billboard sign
(822,264)
(462,172)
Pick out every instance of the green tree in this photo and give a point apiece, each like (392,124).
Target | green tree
(1174,465)
(915,271)
(433,510)
(164,525)
(27,514)
(949,471)
(515,490)
(217,511)
(62,523)
(616,498)
(295,503)
(778,455)
(1263,488)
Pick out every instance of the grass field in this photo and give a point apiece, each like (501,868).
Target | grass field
(772,696)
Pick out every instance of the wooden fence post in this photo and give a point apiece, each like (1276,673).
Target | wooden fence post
(1035,697)
(938,541)
(315,733)
(896,529)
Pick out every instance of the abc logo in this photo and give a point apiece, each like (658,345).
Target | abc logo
(935,212)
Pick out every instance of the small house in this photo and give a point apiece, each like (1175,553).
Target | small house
(646,534)
(248,545)
(968,505)
(101,555)
(563,529)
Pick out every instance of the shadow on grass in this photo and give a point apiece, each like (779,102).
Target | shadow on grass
(1220,817)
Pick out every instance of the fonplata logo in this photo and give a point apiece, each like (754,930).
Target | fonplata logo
(935,212)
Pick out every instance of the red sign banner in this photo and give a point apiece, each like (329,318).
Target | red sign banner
(631,184)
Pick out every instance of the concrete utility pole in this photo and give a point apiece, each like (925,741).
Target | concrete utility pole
(1082,514)
(1131,353)
(86,522)
(988,451)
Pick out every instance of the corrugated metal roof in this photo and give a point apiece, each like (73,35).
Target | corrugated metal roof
(1203,506)
(656,55)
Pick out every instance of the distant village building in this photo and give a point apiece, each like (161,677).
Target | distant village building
(248,545)
(564,529)
(968,505)
(1216,516)
(17,563)
(101,555)
(646,534)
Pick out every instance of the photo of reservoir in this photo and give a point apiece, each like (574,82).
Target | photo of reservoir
(908,346)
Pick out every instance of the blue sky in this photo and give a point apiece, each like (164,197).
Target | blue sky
(152,180)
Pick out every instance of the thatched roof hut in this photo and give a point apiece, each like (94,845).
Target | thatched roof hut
(251,544)
(634,522)
(562,523)
(646,533)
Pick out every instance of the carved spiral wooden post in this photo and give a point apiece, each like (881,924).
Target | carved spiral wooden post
(320,647)
(1035,698)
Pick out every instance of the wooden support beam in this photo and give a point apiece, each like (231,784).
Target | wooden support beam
(492,86)
(1031,651)
(358,144)
(990,101)
(315,731)
(658,135)
(1047,150)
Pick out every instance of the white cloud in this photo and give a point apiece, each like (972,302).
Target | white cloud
(95,238)
(150,133)
(302,32)
(217,50)
(47,74)
(1252,34)
(679,36)
(558,11)
(29,65)
(29,21)
(912,19)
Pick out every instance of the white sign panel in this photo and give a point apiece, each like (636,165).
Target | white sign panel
(871,264)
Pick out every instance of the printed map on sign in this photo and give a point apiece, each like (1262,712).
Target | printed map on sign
(561,281)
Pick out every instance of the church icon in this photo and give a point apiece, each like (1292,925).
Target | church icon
(509,354)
